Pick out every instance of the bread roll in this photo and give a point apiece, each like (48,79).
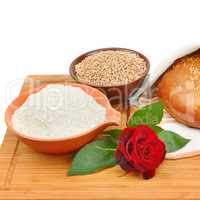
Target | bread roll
(179,89)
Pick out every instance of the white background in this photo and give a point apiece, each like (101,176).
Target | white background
(44,36)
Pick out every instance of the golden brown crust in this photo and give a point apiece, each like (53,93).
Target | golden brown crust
(179,88)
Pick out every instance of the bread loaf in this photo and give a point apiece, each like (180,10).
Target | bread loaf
(179,89)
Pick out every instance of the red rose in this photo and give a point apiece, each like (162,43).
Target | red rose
(140,149)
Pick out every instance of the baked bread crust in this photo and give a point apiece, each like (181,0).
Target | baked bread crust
(179,89)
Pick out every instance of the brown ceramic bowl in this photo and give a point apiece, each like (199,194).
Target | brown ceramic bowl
(70,143)
(117,94)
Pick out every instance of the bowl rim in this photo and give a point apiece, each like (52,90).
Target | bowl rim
(26,94)
(88,53)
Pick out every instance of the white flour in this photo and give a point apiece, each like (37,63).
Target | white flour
(58,111)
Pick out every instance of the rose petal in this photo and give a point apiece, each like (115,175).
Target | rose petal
(149,174)
(125,136)
(155,157)
(123,139)
(123,163)
(144,136)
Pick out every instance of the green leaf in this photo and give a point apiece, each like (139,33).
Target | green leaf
(113,134)
(172,140)
(156,129)
(151,115)
(93,157)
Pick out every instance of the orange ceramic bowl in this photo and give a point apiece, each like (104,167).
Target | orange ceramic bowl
(70,143)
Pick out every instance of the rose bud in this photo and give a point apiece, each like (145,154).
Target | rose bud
(140,150)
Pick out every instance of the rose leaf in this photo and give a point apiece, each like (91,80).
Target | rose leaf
(113,134)
(150,115)
(94,157)
(156,129)
(172,141)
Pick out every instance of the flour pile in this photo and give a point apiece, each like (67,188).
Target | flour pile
(58,111)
